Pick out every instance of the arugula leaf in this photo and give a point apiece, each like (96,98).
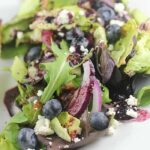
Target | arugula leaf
(18,69)
(58,72)
(125,45)
(19,118)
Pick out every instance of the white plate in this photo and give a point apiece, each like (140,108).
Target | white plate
(129,136)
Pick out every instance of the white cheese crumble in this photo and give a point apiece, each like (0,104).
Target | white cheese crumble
(61,34)
(111,112)
(63,17)
(39,93)
(83,49)
(50,143)
(72,49)
(119,7)
(43,127)
(132,113)
(110,131)
(132,101)
(76,140)
(66,146)
(19,35)
(117,22)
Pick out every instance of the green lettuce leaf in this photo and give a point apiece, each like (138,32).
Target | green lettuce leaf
(143,96)
(8,137)
(10,50)
(140,62)
(18,70)
(126,43)
(58,72)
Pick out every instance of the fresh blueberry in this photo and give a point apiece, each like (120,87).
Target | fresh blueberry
(52,108)
(106,13)
(113,33)
(33,54)
(99,121)
(27,139)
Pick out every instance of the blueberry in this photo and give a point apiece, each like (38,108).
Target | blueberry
(33,54)
(99,121)
(106,13)
(139,81)
(27,139)
(113,33)
(52,108)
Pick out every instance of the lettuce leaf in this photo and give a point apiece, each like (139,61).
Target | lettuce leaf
(140,62)
(143,96)
(18,70)
(58,72)
(8,137)
(126,43)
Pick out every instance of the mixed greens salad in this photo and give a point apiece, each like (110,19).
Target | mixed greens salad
(85,67)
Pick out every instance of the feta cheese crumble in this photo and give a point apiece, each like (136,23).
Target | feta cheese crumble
(72,49)
(111,112)
(43,127)
(117,22)
(119,7)
(83,49)
(132,113)
(132,101)
(19,35)
(39,93)
(63,17)
(76,140)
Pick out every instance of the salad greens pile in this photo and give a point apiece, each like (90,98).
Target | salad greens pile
(85,65)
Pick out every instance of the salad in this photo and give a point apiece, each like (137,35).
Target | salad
(85,67)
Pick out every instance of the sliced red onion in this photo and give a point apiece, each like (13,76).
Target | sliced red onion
(47,37)
(97,97)
(82,96)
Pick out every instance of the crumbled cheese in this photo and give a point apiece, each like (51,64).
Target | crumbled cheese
(117,22)
(43,127)
(72,49)
(50,143)
(19,35)
(132,101)
(119,7)
(81,12)
(111,112)
(110,47)
(48,54)
(99,20)
(110,130)
(132,113)
(83,49)
(61,34)
(76,140)
(66,146)
(63,17)
(39,93)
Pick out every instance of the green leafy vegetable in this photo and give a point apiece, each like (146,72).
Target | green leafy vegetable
(19,118)
(58,72)
(125,45)
(18,69)
(143,96)
(105,95)
(8,137)
(31,113)
(140,62)
(62,3)
(10,51)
